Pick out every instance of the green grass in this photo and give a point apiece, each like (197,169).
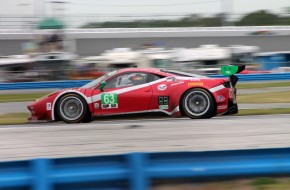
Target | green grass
(262,85)
(282,183)
(267,183)
(271,97)
(13,118)
(264,181)
(20,97)
(264,111)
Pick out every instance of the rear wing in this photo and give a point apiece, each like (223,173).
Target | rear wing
(231,70)
(228,70)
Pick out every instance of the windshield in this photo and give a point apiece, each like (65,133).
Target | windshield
(98,80)
(183,74)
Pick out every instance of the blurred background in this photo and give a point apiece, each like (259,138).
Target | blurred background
(54,40)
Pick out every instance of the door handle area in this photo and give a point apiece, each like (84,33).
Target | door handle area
(148,90)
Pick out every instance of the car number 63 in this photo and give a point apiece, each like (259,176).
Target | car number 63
(109,98)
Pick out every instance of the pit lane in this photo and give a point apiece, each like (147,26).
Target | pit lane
(163,134)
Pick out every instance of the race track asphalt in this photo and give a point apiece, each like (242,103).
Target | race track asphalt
(116,136)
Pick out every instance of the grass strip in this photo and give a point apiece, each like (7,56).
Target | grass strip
(13,118)
(265,183)
(269,97)
(264,111)
(262,85)
(20,97)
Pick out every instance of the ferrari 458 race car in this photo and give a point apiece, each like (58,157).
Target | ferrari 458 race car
(137,90)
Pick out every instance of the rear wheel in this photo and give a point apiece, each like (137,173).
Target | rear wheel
(198,103)
(72,108)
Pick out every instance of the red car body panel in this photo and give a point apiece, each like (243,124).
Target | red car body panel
(140,98)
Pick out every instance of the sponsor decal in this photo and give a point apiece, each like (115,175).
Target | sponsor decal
(171,79)
(220,98)
(222,107)
(193,79)
(109,106)
(105,106)
(109,100)
(163,102)
(162,87)
(163,107)
(48,106)
(194,83)
(96,105)
(114,105)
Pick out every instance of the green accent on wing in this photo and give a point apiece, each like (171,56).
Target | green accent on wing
(229,70)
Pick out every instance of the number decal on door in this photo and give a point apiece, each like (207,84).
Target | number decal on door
(109,100)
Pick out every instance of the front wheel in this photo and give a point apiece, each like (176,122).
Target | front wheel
(72,108)
(198,103)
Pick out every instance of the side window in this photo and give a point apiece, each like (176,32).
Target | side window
(153,77)
(127,79)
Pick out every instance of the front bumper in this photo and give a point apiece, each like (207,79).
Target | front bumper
(37,114)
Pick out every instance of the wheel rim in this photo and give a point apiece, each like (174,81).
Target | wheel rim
(197,103)
(71,108)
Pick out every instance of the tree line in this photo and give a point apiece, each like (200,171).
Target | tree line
(257,18)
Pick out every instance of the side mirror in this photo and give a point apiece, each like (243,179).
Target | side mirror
(102,85)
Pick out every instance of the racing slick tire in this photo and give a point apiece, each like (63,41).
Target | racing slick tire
(72,108)
(198,103)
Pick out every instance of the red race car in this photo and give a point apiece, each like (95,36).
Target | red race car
(136,90)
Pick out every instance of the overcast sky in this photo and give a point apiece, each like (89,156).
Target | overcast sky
(146,6)
(115,8)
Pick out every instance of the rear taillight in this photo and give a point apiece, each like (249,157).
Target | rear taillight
(227,84)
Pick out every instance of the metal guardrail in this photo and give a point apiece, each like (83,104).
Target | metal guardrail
(43,85)
(136,171)
(182,29)
(228,31)
(79,83)
(167,29)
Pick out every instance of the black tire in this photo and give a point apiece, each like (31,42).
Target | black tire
(198,103)
(88,118)
(72,108)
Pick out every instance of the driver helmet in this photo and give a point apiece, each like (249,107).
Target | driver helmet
(137,78)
